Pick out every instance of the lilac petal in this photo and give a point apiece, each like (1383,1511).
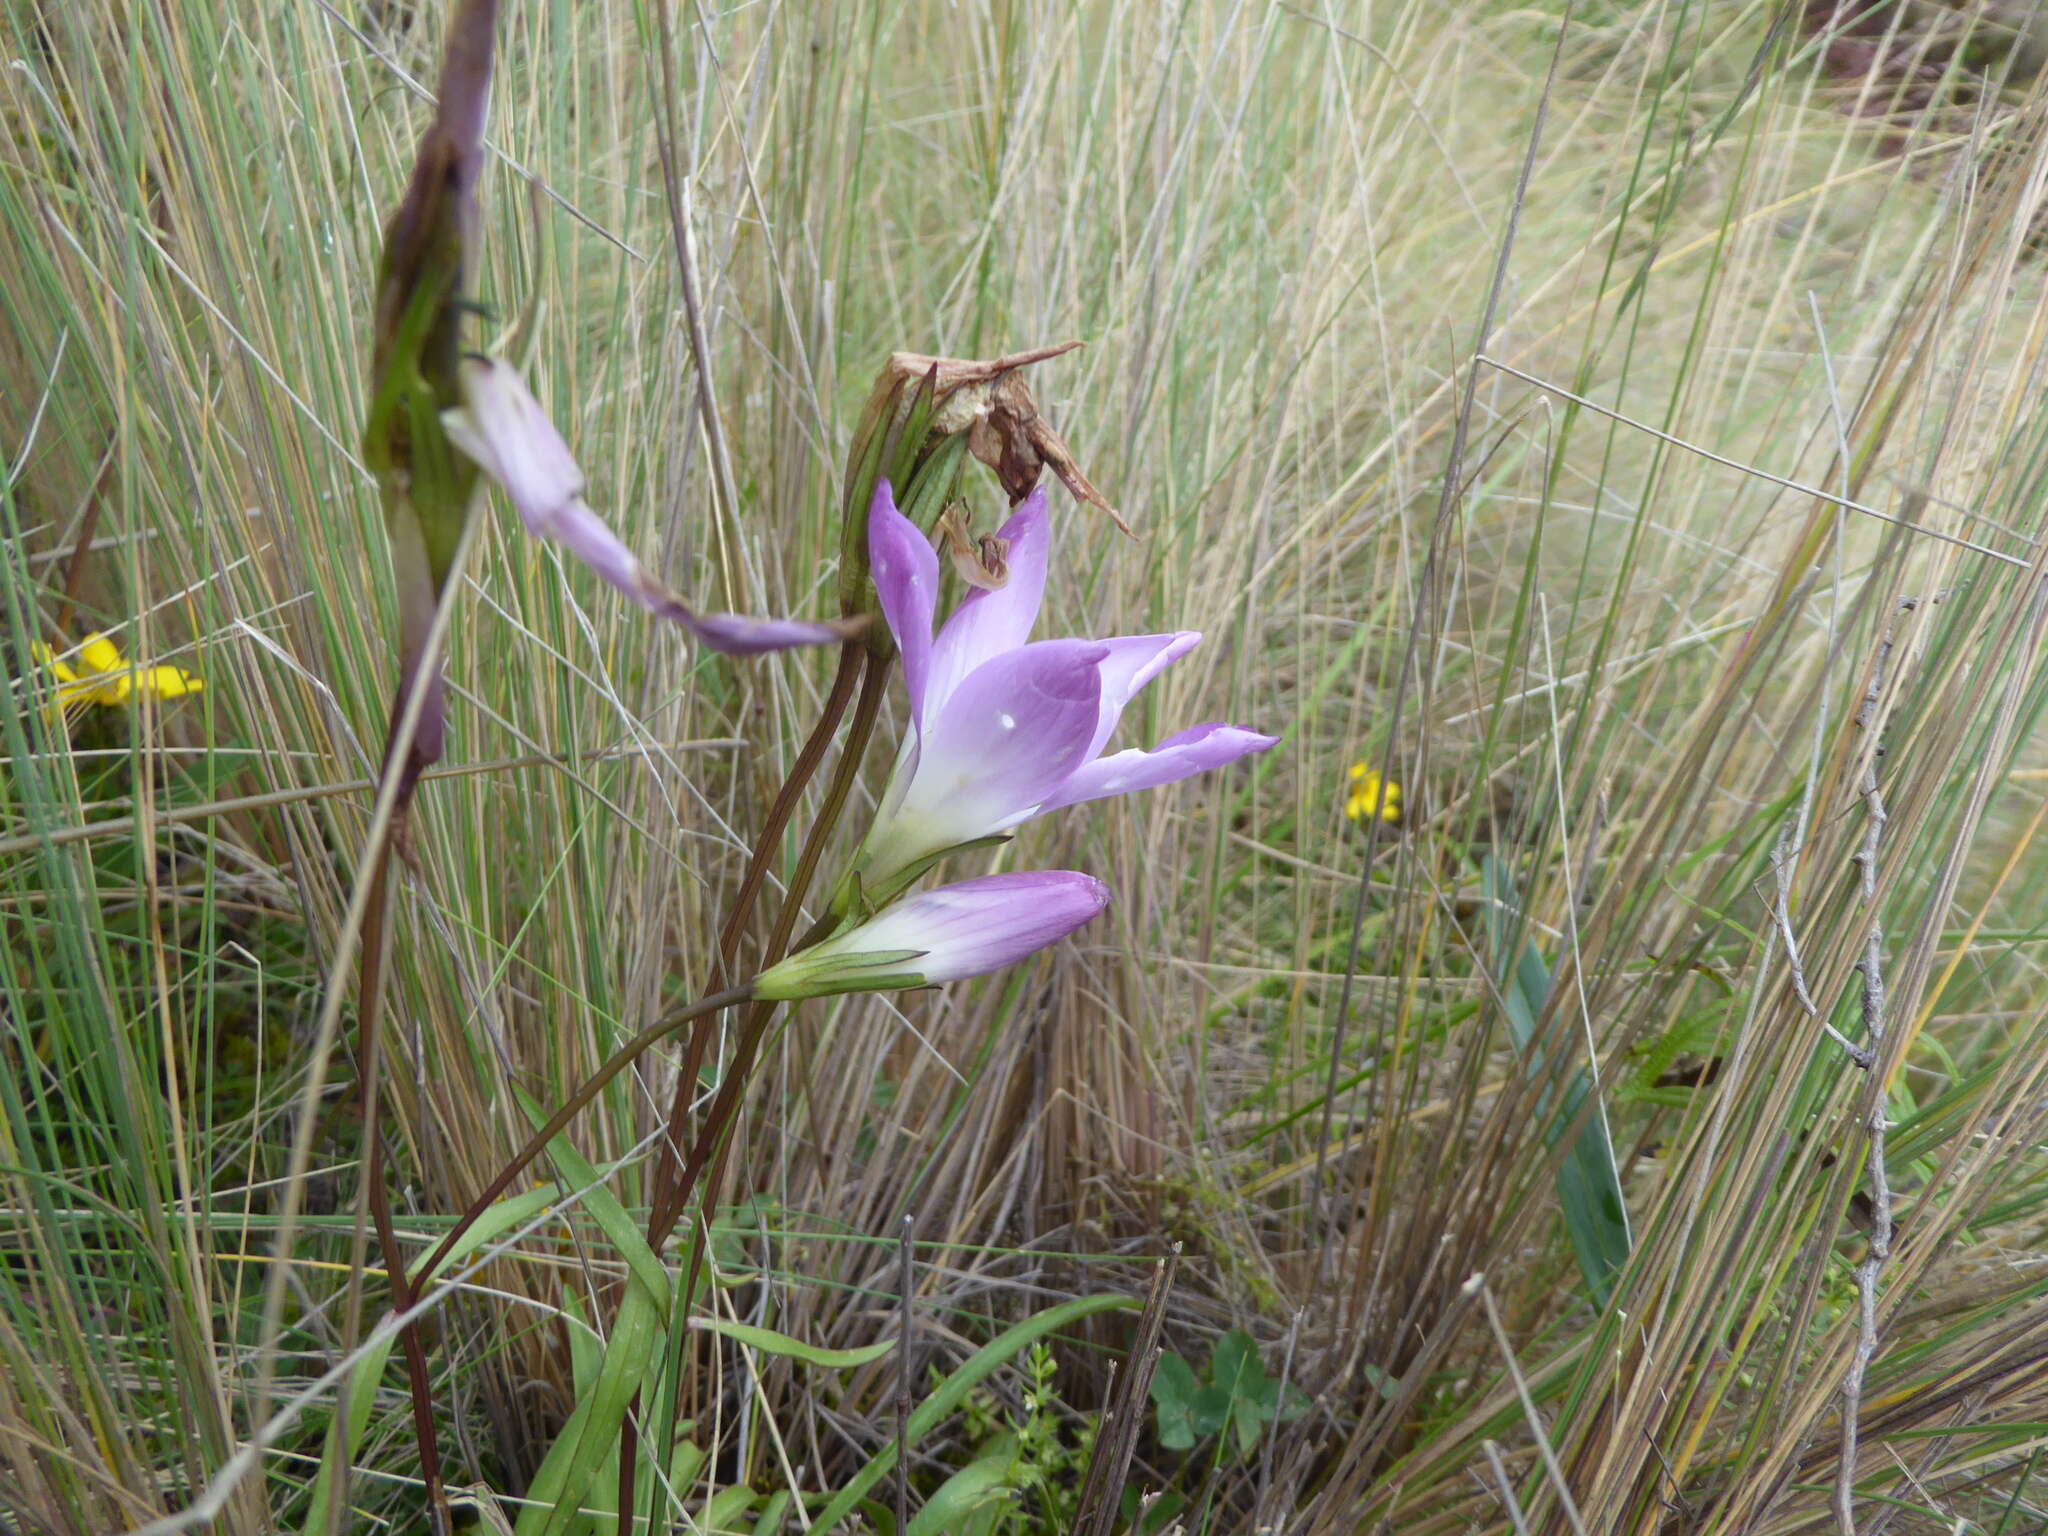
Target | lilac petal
(1009,736)
(587,537)
(1178,757)
(906,574)
(989,622)
(735,634)
(590,539)
(1133,661)
(508,435)
(948,934)
(505,432)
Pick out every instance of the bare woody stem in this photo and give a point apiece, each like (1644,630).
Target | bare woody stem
(1874,1064)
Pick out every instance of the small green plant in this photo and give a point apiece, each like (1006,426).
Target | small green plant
(1025,1475)
(1238,1396)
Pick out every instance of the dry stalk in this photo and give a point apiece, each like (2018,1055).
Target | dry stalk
(906,1396)
(1870,1058)
(1123,1416)
(1781,915)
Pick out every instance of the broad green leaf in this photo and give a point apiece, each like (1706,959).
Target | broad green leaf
(1588,1183)
(1173,1396)
(1234,1363)
(769,1342)
(1210,1410)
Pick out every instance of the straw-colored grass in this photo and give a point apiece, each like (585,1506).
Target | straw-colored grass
(1643,660)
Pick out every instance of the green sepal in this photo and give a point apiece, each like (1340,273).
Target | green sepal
(837,976)
(869,902)
(937,481)
(906,444)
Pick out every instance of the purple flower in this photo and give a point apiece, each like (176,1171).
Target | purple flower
(1003,728)
(506,433)
(948,934)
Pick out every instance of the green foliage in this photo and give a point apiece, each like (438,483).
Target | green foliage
(952,1391)
(1234,1394)
(1614,659)
(1024,1473)
(1588,1182)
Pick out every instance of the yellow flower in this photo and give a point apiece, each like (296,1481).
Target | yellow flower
(101,676)
(1367,798)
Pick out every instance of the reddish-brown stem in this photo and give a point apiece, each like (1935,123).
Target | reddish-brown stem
(88,527)
(661,1220)
(369,1000)
(786,798)
(629,1463)
(669,1196)
(662,1191)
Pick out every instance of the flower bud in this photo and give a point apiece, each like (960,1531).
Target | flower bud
(949,934)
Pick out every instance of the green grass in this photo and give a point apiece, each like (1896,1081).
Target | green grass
(1626,670)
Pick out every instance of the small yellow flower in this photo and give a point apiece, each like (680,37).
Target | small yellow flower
(101,676)
(1368,798)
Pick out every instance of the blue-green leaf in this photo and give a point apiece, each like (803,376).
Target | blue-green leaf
(1588,1183)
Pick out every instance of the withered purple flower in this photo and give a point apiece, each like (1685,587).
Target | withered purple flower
(504,431)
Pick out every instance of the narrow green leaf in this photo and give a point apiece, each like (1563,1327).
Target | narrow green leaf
(619,1228)
(953,1391)
(369,1372)
(723,1514)
(591,1436)
(769,1342)
(968,1493)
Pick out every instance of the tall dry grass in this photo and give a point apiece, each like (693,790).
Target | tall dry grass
(1641,656)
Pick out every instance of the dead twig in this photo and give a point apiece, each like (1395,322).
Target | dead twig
(1870,1058)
